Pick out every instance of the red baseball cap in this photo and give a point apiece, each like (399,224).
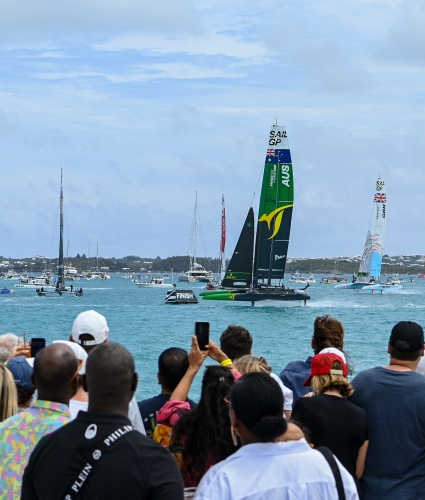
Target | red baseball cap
(321,364)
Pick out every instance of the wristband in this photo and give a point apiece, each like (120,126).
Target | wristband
(226,362)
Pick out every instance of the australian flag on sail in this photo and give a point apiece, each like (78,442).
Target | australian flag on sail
(278,156)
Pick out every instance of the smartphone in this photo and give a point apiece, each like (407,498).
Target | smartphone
(36,345)
(202,332)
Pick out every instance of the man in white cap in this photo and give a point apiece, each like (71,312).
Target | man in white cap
(89,330)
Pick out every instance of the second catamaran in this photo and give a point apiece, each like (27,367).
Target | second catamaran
(255,277)
(370,265)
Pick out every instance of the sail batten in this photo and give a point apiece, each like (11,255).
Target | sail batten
(275,209)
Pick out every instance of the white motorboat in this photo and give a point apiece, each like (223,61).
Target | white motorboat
(197,273)
(35,283)
(298,278)
(153,283)
(311,278)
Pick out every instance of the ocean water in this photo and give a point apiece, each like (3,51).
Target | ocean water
(139,319)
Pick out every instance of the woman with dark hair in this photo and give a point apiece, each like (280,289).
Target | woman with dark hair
(201,437)
(267,466)
(331,419)
(328,336)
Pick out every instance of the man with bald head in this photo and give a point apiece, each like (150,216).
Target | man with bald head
(54,376)
(99,455)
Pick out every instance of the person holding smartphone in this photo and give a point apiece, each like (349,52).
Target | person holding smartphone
(201,437)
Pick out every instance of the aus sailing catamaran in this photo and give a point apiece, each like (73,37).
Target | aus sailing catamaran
(253,276)
(370,265)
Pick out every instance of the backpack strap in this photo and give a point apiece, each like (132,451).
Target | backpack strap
(326,452)
(74,489)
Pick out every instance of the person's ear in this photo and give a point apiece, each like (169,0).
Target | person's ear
(389,348)
(159,378)
(134,381)
(423,351)
(85,383)
(33,379)
(313,343)
(74,386)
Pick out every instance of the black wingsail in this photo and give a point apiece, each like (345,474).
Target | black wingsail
(239,270)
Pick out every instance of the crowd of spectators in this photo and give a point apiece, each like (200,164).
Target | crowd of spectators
(71,428)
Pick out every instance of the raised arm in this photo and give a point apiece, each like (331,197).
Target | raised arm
(196,358)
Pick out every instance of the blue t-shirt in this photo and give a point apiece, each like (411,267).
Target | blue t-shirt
(294,375)
(395,407)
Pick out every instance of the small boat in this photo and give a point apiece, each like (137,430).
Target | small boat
(411,279)
(153,283)
(298,278)
(175,296)
(311,278)
(332,279)
(421,275)
(210,286)
(35,283)
(6,291)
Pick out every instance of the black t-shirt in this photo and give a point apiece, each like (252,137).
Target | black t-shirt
(135,468)
(149,407)
(336,423)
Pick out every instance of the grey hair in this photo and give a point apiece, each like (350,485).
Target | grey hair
(7,342)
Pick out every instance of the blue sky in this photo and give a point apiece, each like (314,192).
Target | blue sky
(145,102)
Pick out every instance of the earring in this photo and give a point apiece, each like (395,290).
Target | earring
(234,435)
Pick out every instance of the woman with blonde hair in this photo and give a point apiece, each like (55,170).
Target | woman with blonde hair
(8,394)
(253,364)
(330,418)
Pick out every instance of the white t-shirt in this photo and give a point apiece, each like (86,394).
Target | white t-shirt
(276,471)
(133,413)
(288,396)
(76,406)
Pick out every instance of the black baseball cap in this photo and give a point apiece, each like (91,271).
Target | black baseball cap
(407,336)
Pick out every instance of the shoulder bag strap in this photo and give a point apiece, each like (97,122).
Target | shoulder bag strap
(75,489)
(326,452)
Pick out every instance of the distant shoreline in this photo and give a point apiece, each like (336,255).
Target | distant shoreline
(134,264)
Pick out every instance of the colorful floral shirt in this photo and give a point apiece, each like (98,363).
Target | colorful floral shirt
(18,437)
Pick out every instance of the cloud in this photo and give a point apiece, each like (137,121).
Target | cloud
(405,41)
(147,72)
(26,20)
(209,43)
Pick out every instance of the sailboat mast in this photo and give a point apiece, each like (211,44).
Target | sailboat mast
(223,239)
(195,230)
(61,268)
(97,256)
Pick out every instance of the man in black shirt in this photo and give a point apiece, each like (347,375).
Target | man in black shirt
(99,456)
(172,365)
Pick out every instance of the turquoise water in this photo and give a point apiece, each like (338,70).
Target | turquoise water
(139,319)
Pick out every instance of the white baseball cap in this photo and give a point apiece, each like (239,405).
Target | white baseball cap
(334,350)
(79,352)
(90,323)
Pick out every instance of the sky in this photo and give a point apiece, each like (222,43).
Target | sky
(144,103)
